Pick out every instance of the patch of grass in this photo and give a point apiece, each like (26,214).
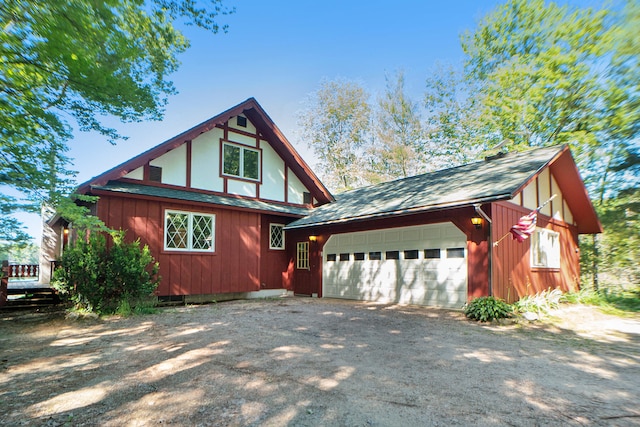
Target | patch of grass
(616,302)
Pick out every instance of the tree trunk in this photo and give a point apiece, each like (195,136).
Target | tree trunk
(596,260)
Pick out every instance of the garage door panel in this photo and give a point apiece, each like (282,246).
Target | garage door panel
(422,274)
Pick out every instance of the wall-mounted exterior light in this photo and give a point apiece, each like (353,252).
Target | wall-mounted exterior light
(477,222)
(313,238)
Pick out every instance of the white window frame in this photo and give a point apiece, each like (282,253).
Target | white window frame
(272,227)
(190,217)
(242,148)
(302,256)
(545,249)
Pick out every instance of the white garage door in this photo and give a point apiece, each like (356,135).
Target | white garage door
(425,265)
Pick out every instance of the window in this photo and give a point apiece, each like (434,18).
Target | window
(155,173)
(545,248)
(375,256)
(431,253)
(187,231)
(344,257)
(302,259)
(240,161)
(455,252)
(276,236)
(306,198)
(392,255)
(411,254)
(331,257)
(241,121)
(358,256)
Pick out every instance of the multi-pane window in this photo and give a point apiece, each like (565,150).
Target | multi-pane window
(241,161)
(455,252)
(545,248)
(188,231)
(302,256)
(276,236)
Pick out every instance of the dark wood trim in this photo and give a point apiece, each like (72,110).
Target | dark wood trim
(241,132)
(258,184)
(188,180)
(146,173)
(286,183)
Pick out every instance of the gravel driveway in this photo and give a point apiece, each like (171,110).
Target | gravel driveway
(317,362)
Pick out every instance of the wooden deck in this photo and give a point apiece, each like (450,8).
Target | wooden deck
(19,288)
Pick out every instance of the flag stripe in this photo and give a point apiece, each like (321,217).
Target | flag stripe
(525,227)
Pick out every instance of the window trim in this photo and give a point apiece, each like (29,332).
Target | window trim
(243,148)
(302,256)
(271,227)
(190,216)
(554,261)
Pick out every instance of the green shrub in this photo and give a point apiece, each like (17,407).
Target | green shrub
(107,278)
(486,309)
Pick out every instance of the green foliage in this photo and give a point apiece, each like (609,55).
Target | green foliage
(76,62)
(486,309)
(336,124)
(400,148)
(454,125)
(550,74)
(26,253)
(618,302)
(107,278)
(619,244)
(540,303)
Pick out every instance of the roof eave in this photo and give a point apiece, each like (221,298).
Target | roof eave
(97,190)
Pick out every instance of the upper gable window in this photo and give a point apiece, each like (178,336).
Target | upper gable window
(241,121)
(545,248)
(240,161)
(155,173)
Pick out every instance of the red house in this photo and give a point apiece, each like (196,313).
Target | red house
(229,209)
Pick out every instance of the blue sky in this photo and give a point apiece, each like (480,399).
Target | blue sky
(278,52)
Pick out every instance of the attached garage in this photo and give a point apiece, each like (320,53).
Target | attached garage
(424,265)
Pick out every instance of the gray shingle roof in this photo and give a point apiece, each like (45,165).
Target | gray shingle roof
(488,180)
(190,196)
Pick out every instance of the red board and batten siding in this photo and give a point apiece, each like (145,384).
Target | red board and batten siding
(235,266)
(306,282)
(513,276)
(273,262)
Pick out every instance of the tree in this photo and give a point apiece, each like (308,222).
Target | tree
(336,124)
(618,249)
(399,149)
(454,128)
(550,74)
(79,62)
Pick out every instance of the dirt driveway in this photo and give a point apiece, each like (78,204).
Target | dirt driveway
(317,362)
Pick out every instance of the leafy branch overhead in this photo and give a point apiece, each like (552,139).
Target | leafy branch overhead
(551,74)
(66,64)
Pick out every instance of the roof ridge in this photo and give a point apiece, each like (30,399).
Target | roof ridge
(509,155)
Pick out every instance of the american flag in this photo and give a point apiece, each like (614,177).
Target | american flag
(525,227)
